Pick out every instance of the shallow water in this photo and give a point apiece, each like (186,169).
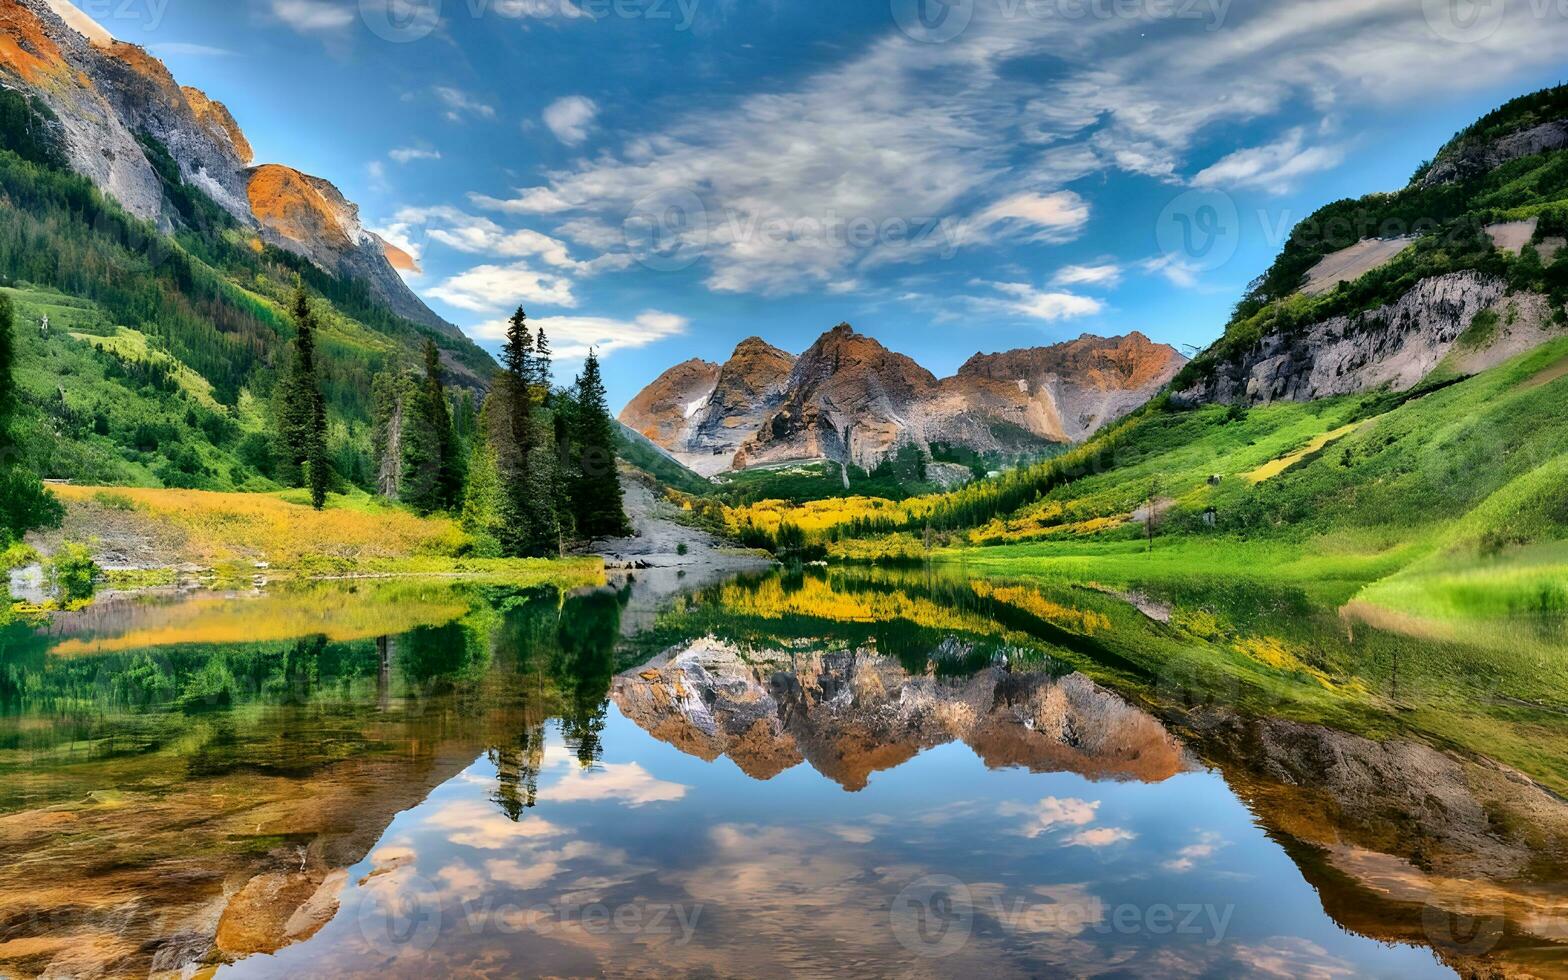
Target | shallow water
(786,775)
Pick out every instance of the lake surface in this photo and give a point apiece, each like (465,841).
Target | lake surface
(846,774)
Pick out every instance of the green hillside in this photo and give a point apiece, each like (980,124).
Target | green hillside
(1447,221)
(163,349)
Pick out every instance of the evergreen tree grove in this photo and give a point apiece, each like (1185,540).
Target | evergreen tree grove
(24,503)
(449,475)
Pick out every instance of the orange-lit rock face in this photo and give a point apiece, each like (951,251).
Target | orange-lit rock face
(27,52)
(401,260)
(215,116)
(663,410)
(288,203)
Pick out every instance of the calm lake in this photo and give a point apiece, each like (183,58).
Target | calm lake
(832,774)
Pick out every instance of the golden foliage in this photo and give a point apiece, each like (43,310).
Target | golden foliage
(1086,621)
(247,527)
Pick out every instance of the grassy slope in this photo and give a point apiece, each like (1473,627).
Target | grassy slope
(204,306)
(129,414)
(639,451)
(1447,220)
(232,532)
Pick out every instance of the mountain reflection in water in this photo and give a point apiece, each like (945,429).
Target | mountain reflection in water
(856,774)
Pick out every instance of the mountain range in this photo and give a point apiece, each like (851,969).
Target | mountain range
(850,400)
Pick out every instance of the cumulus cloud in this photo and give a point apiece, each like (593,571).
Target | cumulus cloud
(1052,813)
(1099,837)
(492,288)
(1037,304)
(1274,168)
(478,824)
(1188,857)
(313,16)
(571,118)
(573,336)
(628,782)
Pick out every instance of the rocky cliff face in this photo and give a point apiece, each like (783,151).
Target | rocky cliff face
(851,400)
(106,95)
(848,398)
(1067,392)
(702,413)
(663,411)
(1394,346)
(849,715)
(311,217)
(1481,158)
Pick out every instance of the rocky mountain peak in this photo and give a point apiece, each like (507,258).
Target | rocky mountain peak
(850,399)
(217,118)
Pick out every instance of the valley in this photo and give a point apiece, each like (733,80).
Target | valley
(341,639)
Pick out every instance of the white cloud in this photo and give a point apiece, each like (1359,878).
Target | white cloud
(1273,168)
(1099,837)
(313,16)
(476,235)
(626,782)
(1176,270)
(572,336)
(571,118)
(460,104)
(538,9)
(408,154)
(1056,217)
(491,288)
(1188,857)
(478,824)
(967,131)
(185,49)
(1101,274)
(400,237)
(1051,813)
(1039,304)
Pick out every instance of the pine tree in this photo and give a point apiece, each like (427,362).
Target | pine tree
(596,491)
(513,437)
(543,369)
(449,478)
(318,461)
(386,437)
(303,459)
(419,448)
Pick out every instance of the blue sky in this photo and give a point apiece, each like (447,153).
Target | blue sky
(662,178)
